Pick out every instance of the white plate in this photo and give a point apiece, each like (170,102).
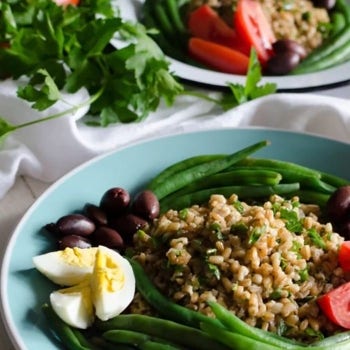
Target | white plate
(339,75)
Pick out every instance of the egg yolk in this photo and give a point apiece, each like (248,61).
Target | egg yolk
(108,275)
(78,257)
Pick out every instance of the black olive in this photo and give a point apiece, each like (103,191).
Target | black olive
(127,225)
(108,237)
(95,213)
(75,224)
(288,45)
(146,205)
(115,201)
(282,63)
(327,4)
(338,205)
(74,241)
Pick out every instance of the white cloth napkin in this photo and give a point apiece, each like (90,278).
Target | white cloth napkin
(48,150)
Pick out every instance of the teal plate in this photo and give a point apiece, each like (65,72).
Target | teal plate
(24,290)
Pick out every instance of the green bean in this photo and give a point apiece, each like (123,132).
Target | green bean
(103,344)
(279,165)
(330,53)
(169,49)
(152,345)
(174,14)
(125,336)
(161,330)
(162,20)
(343,7)
(235,324)
(187,176)
(246,192)
(163,305)
(181,166)
(236,341)
(64,332)
(306,181)
(334,180)
(313,197)
(338,23)
(336,338)
(239,177)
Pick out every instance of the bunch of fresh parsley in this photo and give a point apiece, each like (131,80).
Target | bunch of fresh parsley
(68,48)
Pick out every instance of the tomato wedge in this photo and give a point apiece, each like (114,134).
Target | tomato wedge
(335,305)
(67,2)
(205,23)
(253,28)
(344,256)
(218,56)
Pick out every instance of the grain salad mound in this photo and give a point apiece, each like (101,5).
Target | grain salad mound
(267,263)
(298,20)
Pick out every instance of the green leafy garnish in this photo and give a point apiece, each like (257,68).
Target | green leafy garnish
(256,233)
(316,239)
(90,46)
(292,221)
(251,90)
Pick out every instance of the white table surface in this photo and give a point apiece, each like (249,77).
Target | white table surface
(26,190)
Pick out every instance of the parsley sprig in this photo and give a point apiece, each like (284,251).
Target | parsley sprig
(69,48)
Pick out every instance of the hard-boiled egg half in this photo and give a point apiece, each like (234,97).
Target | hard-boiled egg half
(101,282)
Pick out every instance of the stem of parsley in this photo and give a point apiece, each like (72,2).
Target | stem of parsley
(6,128)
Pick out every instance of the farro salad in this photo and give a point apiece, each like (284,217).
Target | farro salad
(289,37)
(216,252)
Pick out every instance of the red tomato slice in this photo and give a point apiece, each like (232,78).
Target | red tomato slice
(335,305)
(67,2)
(218,56)
(205,23)
(253,28)
(344,256)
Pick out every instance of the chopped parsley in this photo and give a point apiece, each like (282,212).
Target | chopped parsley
(292,221)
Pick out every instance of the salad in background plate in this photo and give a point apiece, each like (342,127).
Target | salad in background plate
(328,31)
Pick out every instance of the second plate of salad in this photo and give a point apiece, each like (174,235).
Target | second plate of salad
(300,46)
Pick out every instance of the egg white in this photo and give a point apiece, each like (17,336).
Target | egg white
(66,267)
(101,283)
(74,305)
(112,283)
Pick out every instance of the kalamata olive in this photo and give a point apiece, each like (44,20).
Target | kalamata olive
(127,225)
(282,63)
(52,228)
(338,205)
(115,201)
(75,224)
(96,214)
(108,237)
(74,241)
(344,229)
(146,205)
(327,4)
(288,45)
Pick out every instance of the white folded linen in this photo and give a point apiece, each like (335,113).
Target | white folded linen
(48,150)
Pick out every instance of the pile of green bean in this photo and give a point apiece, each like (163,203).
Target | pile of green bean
(193,180)
(178,328)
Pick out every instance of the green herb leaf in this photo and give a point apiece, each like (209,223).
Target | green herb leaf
(293,223)
(256,233)
(5,128)
(316,239)
(251,90)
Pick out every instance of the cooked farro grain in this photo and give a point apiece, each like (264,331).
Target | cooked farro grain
(251,260)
